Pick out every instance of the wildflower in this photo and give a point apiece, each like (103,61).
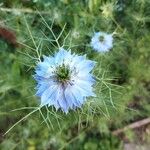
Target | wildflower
(64,80)
(102,42)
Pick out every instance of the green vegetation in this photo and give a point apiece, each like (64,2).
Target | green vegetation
(27,31)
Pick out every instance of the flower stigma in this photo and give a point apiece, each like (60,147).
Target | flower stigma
(101,38)
(62,73)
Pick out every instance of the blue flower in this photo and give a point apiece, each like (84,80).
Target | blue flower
(102,42)
(65,80)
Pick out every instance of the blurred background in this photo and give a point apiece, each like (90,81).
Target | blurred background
(25,26)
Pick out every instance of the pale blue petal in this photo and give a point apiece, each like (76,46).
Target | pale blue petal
(60,56)
(60,98)
(86,77)
(69,98)
(49,60)
(79,97)
(85,89)
(41,89)
(86,66)
(46,96)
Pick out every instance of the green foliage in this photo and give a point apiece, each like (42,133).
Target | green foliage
(122,74)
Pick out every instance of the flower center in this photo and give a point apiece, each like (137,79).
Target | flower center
(101,38)
(62,73)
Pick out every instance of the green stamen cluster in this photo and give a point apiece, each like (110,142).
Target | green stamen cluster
(62,73)
(101,38)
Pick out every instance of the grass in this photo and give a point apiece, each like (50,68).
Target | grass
(122,74)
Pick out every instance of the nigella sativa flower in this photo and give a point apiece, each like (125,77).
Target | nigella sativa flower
(64,80)
(102,42)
